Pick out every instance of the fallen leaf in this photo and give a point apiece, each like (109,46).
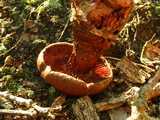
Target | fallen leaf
(151,53)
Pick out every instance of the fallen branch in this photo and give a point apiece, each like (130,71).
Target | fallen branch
(117,101)
(148,91)
(19,100)
(33,109)
(18,112)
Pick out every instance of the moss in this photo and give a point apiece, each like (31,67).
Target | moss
(8,83)
(6,104)
(4,71)
(25,93)
(51,92)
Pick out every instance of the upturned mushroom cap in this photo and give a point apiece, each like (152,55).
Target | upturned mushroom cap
(52,64)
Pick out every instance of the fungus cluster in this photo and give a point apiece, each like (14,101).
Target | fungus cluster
(79,68)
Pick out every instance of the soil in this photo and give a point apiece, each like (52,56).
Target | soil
(26,27)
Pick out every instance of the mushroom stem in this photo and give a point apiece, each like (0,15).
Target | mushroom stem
(96,24)
(86,51)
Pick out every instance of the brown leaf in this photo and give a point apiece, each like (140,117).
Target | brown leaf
(151,53)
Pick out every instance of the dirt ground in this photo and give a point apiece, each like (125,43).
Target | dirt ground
(27,26)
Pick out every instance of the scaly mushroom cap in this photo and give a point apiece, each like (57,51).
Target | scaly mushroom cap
(52,64)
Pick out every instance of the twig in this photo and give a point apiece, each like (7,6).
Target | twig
(43,110)
(13,47)
(64,29)
(113,58)
(146,67)
(152,37)
(18,112)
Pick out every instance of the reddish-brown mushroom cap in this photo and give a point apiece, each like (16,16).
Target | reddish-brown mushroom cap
(52,63)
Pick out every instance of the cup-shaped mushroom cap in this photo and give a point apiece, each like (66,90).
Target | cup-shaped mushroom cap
(52,64)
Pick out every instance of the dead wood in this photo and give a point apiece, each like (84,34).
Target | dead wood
(19,100)
(84,109)
(33,111)
(117,101)
(131,72)
(18,112)
(148,91)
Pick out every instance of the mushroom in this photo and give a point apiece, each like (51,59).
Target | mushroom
(80,68)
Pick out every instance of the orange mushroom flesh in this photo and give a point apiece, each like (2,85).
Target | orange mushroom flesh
(80,69)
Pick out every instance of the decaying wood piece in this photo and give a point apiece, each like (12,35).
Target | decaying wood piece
(118,114)
(151,53)
(132,72)
(28,113)
(127,97)
(148,91)
(117,101)
(84,109)
(19,100)
(33,110)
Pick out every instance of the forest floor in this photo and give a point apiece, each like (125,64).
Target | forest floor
(27,26)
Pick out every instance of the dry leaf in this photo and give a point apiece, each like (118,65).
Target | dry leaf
(151,53)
